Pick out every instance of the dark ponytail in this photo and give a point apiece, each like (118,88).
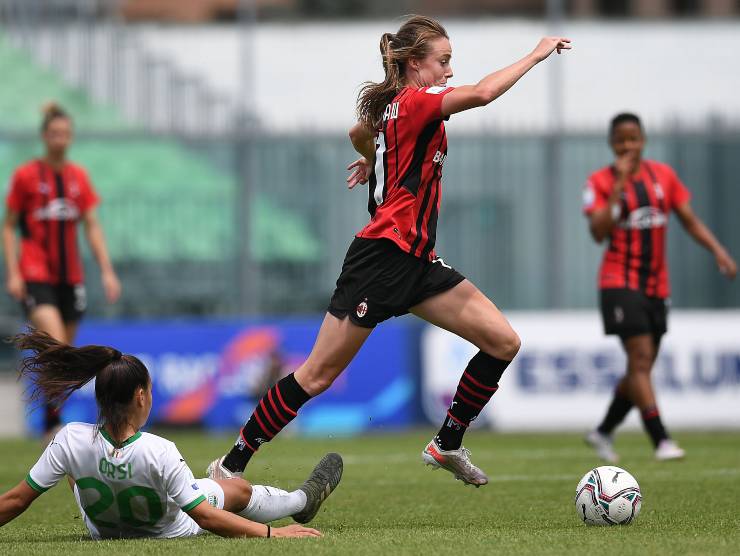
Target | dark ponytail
(411,41)
(56,370)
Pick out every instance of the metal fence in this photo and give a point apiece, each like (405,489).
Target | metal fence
(86,43)
(271,238)
(239,222)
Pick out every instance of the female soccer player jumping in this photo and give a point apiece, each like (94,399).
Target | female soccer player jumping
(628,203)
(133,484)
(391,267)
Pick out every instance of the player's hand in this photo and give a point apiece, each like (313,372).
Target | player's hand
(111,286)
(726,264)
(361,172)
(16,287)
(547,45)
(626,164)
(293,531)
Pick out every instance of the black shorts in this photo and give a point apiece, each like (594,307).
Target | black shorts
(631,313)
(70,299)
(380,281)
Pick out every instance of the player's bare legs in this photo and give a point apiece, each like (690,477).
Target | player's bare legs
(46,317)
(465,311)
(641,353)
(337,343)
(642,350)
(635,389)
(237,493)
(70,331)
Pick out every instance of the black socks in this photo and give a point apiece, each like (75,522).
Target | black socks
(275,410)
(618,410)
(653,425)
(477,384)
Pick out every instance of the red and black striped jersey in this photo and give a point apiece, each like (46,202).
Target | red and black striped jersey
(636,255)
(49,205)
(405,185)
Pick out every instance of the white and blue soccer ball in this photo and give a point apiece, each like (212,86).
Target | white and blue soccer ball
(608,495)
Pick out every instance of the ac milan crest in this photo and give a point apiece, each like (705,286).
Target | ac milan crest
(362,309)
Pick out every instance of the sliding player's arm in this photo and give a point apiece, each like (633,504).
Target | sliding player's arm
(226,524)
(48,471)
(16,501)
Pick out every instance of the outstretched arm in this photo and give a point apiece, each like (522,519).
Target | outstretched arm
(703,236)
(226,524)
(497,83)
(16,501)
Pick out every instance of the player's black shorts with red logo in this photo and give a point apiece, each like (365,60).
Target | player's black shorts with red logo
(70,299)
(628,313)
(380,281)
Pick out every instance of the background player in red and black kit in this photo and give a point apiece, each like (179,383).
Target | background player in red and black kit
(629,203)
(391,267)
(47,198)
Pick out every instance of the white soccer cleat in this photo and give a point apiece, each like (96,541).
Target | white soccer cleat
(456,462)
(216,470)
(603,444)
(668,450)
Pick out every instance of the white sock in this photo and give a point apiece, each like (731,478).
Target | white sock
(269,503)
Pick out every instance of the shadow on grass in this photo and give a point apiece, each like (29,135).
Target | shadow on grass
(24,539)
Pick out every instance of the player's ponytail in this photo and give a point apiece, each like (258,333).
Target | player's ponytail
(50,111)
(55,370)
(411,41)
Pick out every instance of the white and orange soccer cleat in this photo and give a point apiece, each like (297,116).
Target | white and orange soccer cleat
(216,470)
(456,462)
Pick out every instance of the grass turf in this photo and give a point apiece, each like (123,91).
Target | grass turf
(388,503)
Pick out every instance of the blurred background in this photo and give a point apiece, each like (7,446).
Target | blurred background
(215,132)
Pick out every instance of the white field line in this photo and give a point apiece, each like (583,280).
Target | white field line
(390,459)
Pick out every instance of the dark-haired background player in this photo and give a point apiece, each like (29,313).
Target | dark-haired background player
(47,198)
(628,203)
(391,267)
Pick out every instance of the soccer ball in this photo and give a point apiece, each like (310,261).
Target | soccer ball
(608,496)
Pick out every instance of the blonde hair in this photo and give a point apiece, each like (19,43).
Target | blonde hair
(411,41)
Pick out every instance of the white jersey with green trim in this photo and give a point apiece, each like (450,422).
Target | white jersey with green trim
(139,489)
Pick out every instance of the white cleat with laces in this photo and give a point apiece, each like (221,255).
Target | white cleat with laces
(603,445)
(216,470)
(668,450)
(456,462)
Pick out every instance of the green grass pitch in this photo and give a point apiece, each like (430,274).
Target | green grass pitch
(389,503)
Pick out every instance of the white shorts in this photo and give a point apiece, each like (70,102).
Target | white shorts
(182,526)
